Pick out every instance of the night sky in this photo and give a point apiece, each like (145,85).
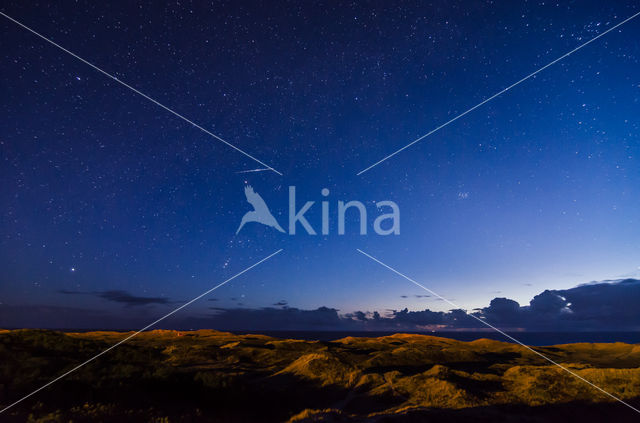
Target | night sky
(113,205)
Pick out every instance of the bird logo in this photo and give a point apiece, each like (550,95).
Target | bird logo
(260,212)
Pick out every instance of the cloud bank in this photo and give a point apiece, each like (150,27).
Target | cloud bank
(601,306)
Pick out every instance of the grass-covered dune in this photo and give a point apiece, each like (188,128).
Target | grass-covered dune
(171,376)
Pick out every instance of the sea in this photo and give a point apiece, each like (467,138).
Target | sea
(527,338)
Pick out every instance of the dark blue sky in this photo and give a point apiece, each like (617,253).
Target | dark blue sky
(104,191)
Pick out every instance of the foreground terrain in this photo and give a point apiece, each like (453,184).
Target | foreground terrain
(171,376)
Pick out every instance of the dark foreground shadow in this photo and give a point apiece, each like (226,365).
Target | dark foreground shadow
(579,412)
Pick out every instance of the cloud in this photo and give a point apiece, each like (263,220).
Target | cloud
(502,310)
(603,305)
(407,320)
(270,318)
(120,296)
(607,305)
(425,317)
(124,297)
(596,306)
(549,302)
(358,315)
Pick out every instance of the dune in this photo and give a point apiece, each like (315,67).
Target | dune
(167,375)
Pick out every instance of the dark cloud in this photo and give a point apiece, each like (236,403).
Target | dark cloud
(425,317)
(608,305)
(358,315)
(601,306)
(120,296)
(502,308)
(270,318)
(406,320)
(549,302)
(124,297)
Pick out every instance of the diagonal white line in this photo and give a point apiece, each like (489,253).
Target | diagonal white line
(138,332)
(498,330)
(498,93)
(139,93)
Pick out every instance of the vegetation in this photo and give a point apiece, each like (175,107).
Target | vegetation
(171,376)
